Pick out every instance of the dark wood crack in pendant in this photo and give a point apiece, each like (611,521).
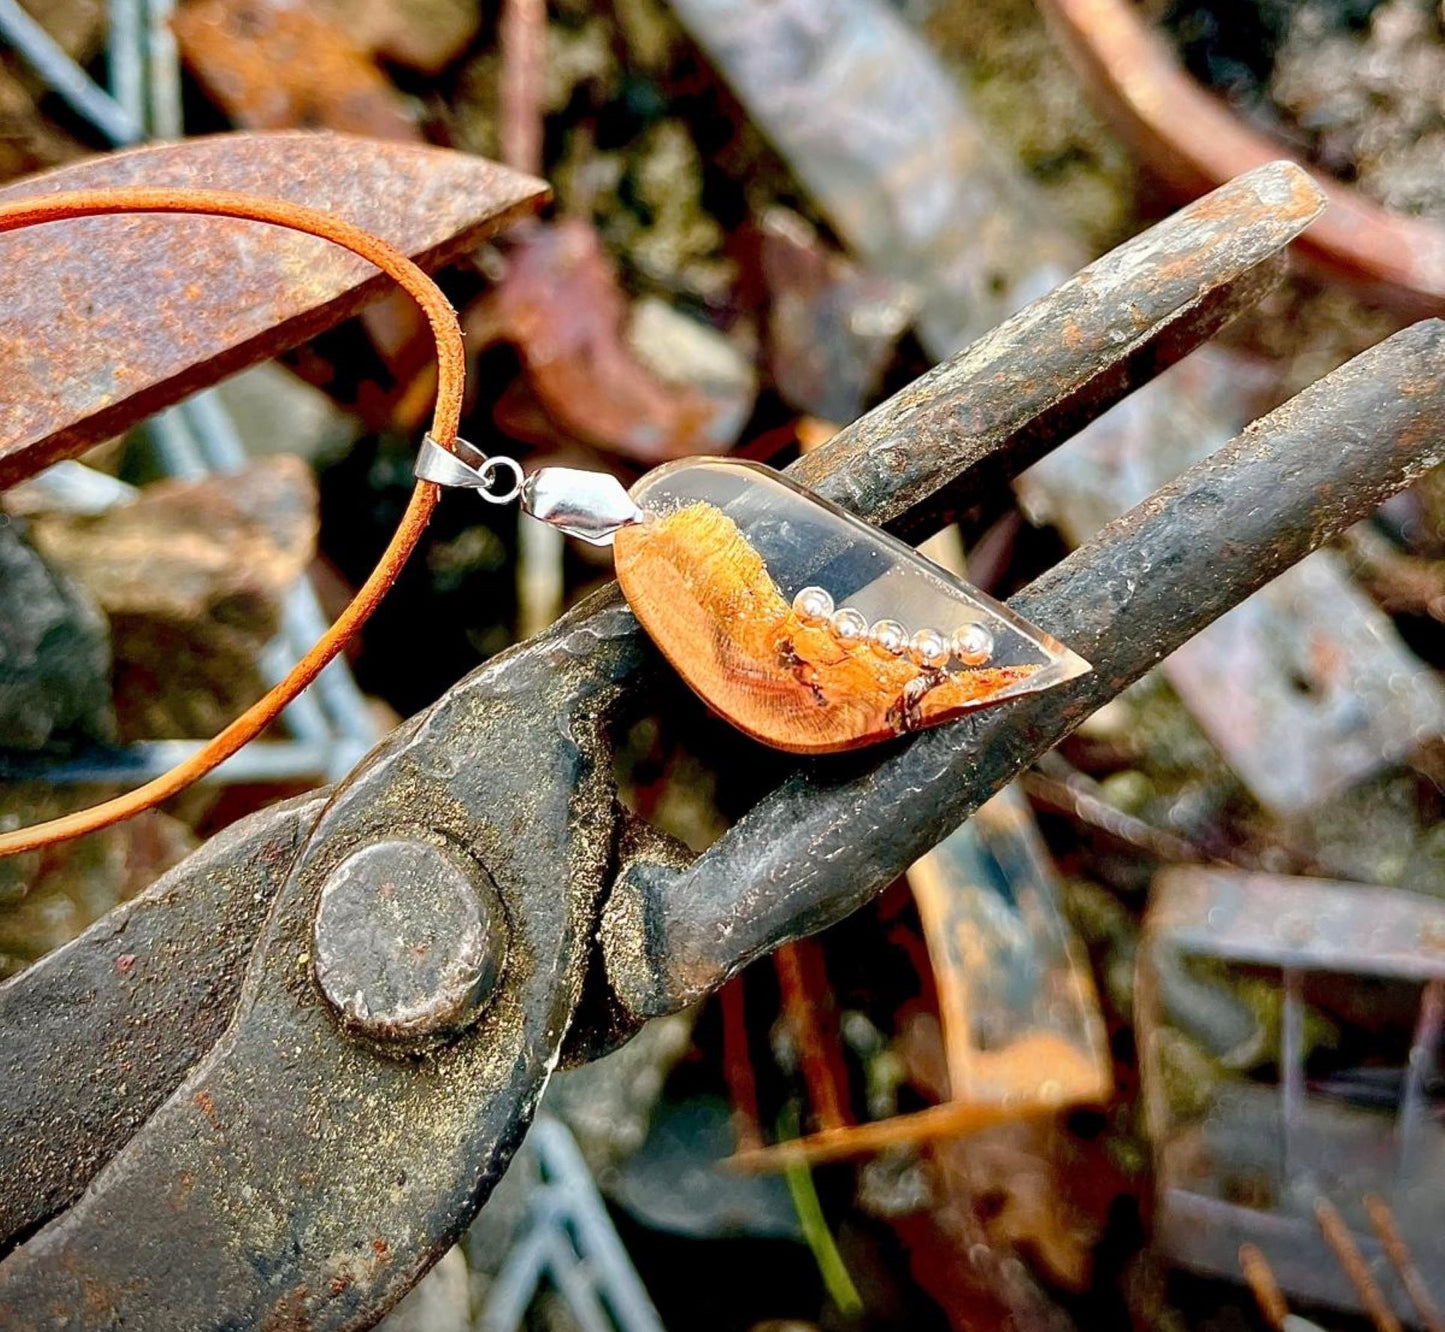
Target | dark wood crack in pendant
(727,575)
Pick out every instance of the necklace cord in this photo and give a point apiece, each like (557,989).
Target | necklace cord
(451,378)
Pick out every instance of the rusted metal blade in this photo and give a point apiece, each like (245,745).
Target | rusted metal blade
(106,320)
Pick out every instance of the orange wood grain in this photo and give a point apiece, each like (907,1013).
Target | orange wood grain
(705,596)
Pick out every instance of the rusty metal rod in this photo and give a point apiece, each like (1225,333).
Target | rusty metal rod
(822,1069)
(1337,1236)
(1401,1259)
(738,1072)
(835,833)
(1260,1278)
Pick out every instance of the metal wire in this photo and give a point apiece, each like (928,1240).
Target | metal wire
(63,76)
(570,1238)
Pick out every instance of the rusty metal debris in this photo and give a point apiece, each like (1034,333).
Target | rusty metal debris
(1333,696)
(880,136)
(329,730)
(271,65)
(904,172)
(1194,142)
(278,66)
(802,982)
(561,305)
(523,37)
(831,324)
(1023,1038)
(1022,1028)
(1296,1169)
(355,1169)
(1352,1261)
(1387,1230)
(200,298)
(1260,1277)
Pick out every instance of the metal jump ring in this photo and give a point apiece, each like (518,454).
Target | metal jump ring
(488,471)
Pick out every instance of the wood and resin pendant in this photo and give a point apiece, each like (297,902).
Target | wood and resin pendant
(807,628)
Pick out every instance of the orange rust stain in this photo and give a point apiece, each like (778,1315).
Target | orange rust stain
(288,1314)
(277,65)
(1039,1069)
(207,1107)
(705,596)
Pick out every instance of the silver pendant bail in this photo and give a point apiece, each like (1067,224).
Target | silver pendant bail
(466,467)
(592,506)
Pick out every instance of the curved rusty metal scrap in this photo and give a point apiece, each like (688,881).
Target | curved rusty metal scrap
(1194,141)
(104,321)
(303,1174)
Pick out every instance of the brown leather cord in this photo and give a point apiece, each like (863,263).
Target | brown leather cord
(451,374)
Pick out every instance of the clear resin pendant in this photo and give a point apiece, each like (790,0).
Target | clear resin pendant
(807,628)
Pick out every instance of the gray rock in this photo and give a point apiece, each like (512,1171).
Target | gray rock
(678,1183)
(191,575)
(54,653)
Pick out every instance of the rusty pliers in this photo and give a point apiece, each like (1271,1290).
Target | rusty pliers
(202,1126)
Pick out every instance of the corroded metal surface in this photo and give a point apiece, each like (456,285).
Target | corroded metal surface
(106,320)
(1319,923)
(1194,141)
(1147,583)
(105,1028)
(1240,1161)
(1335,694)
(409,940)
(303,1176)
(274,65)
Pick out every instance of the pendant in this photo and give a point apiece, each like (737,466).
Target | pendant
(805,627)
